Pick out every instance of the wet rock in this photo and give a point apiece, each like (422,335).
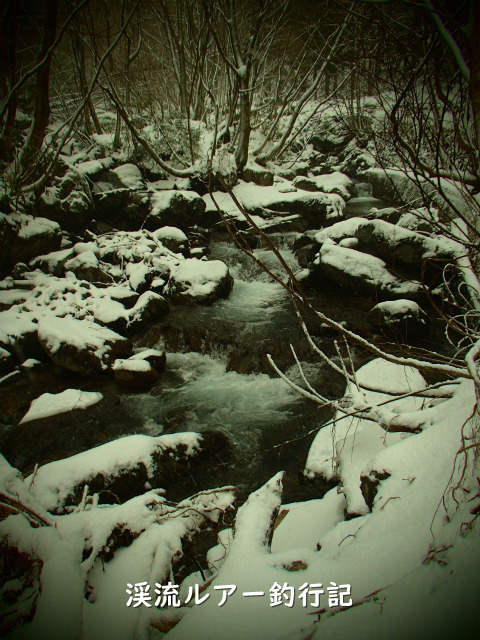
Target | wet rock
(7,361)
(198,281)
(80,345)
(149,307)
(134,374)
(402,319)
(155,357)
(181,209)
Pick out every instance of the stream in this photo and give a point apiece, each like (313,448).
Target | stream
(217,377)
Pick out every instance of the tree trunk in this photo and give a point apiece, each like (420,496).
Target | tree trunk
(244,127)
(8,46)
(474,85)
(42,87)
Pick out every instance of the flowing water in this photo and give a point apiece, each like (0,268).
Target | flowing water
(217,377)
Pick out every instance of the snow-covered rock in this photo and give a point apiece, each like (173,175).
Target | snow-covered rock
(254,172)
(51,404)
(403,318)
(134,374)
(359,273)
(342,449)
(181,209)
(172,238)
(335,182)
(68,201)
(399,246)
(23,237)
(87,267)
(18,334)
(130,176)
(81,346)
(149,307)
(199,281)
(122,467)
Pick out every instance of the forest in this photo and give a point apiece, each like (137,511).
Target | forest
(239,319)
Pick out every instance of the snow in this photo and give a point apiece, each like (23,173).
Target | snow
(197,278)
(136,366)
(130,176)
(364,268)
(171,233)
(37,226)
(342,449)
(162,200)
(81,334)
(55,481)
(93,167)
(332,182)
(51,404)
(383,550)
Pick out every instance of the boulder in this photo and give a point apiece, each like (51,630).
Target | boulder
(172,238)
(54,262)
(402,247)
(134,374)
(403,319)
(130,176)
(390,214)
(331,135)
(199,281)
(359,273)
(181,209)
(149,307)
(335,182)
(23,237)
(7,361)
(416,220)
(155,357)
(123,208)
(253,172)
(87,267)
(68,201)
(18,334)
(80,345)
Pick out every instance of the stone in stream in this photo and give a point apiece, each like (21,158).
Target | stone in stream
(198,281)
(402,247)
(126,467)
(80,345)
(359,273)
(134,374)
(401,318)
